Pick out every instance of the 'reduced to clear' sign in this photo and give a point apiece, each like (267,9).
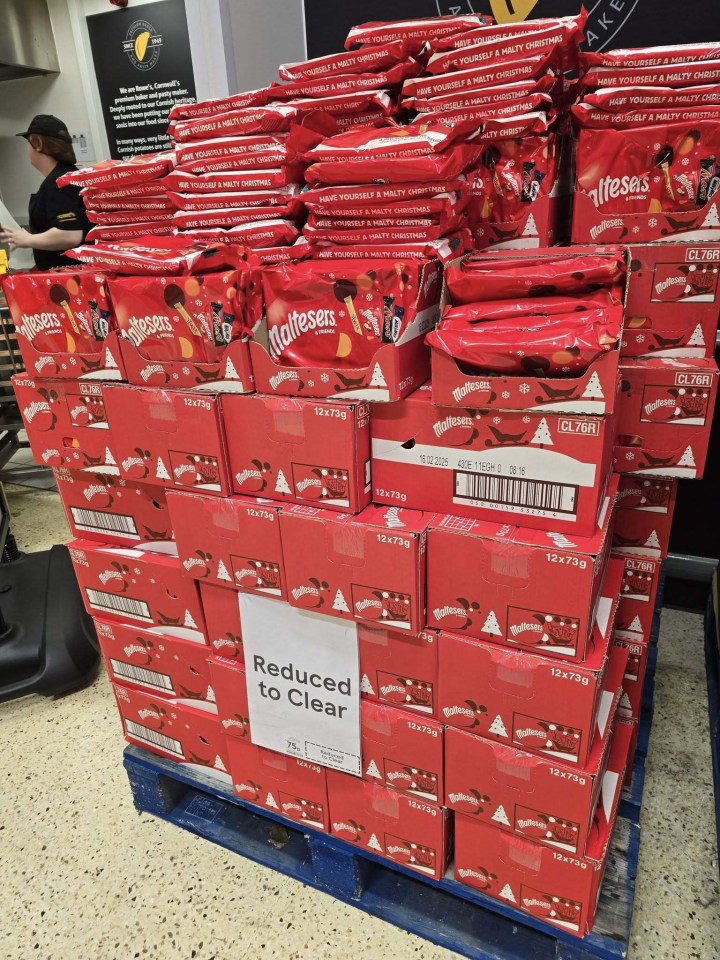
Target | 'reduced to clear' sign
(302,673)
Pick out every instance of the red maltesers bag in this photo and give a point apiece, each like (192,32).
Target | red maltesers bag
(206,108)
(652,56)
(490,97)
(114,173)
(155,256)
(446,165)
(232,180)
(264,233)
(551,42)
(345,82)
(319,314)
(373,58)
(421,29)
(488,75)
(271,118)
(619,99)
(678,75)
(279,196)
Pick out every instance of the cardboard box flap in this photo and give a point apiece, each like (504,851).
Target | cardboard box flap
(609,799)
(697,364)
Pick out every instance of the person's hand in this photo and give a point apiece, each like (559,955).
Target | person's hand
(16,238)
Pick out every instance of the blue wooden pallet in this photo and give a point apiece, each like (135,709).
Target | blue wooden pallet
(445,912)
(712,664)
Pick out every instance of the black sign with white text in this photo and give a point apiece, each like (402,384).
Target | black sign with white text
(143,67)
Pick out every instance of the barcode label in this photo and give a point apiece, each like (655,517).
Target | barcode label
(148,678)
(115,603)
(146,735)
(97,521)
(539,497)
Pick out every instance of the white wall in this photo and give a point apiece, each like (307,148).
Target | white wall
(265,34)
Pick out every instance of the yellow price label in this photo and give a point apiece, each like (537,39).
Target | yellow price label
(4,265)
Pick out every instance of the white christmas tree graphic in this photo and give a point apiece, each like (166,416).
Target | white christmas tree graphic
(365,685)
(687,459)
(542,434)
(498,727)
(697,339)
(625,706)
(219,765)
(188,621)
(377,379)
(372,770)
(712,219)
(635,626)
(109,360)
(594,388)
(491,625)
(282,485)
(374,844)
(161,472)
(507,894)
(223,572)
(230,371)
(340,603)
(531,229)
(210,695)
(109,458)
(271,802)
(653,541)
(500,816)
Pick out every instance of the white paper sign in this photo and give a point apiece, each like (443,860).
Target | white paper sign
(302,672)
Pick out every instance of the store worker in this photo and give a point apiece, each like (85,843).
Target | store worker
(57,214)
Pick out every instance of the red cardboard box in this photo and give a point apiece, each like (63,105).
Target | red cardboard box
(399,669)
(559,889)
(644,514)
(228,683)
(66,423)
(664,416)
(411,832)
(544,471)
(521,793)
(144,589)
(65,325)
(221,611)
(300,451)
(188,733)
(402,751)
(673,300)
(169,438)
(105,508)
(529,701)
(395,370)
(630,705)
(232,542)
(186,332)
(641,577)
(367,568)
(285,785)
(512,585)
(593,392)
(165,666)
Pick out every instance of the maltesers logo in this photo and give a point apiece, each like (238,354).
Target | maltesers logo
(142,45)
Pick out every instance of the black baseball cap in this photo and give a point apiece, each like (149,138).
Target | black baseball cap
(46,125)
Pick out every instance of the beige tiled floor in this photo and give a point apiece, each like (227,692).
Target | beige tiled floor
(84,876)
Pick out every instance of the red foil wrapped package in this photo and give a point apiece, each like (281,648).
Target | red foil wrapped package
(560,346)
(572,26)
(509,175)
(92,196)
(371,59)
(445,221)
(346,82)
(259,151)
(649,169)
(279,196)
(548,42)
(488,75)
(131,231)
(383,193)
(208,108)
(651,56)
(231,181)
(115,173)
(265,256)
(356,121)
(678,75)
(477,279)
(271,118)
(421,29)
(623,99)
(375,235)
(149,203)
(121,217)
(442,205)
(520,309)
(446,248)
(337,315)
(491,97)
(345,103)
(466,109)
(414,140)
(64,311)
(233,216)
(184,318)
(154,256)
(447,165)
(591,117)
(265,233)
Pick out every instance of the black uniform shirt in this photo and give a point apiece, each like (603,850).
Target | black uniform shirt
(53,206)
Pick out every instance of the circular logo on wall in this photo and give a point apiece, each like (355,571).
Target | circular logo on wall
(142,45)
